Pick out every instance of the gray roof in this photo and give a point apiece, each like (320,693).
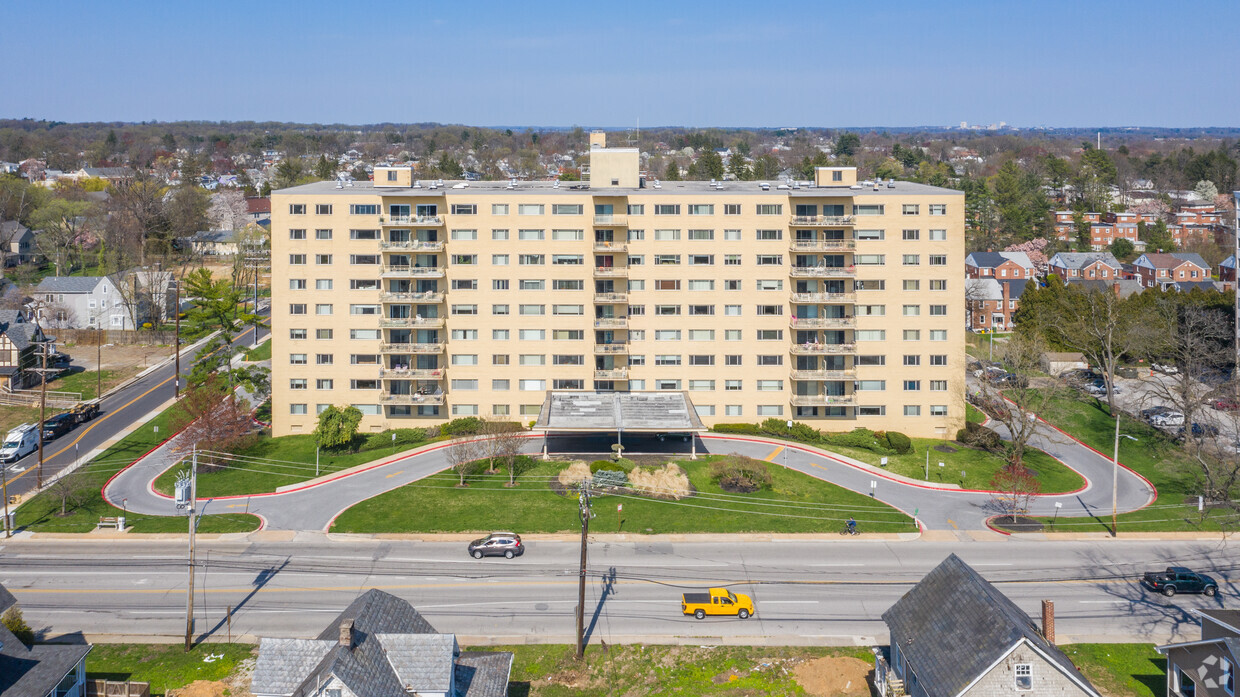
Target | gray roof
(283,664)
(1231,618)
(33,671)
(6,599)
(107,171)
(1079,260)
(23,334)
(1229,262)
(1127,286)
(68,284)
(216,236)
(423,662)
(992,288)
(1186,286)
(379,613)
(954,625)
(990,260)
(609,411)
(483,673)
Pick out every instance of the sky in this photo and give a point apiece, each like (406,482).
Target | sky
(1084,63)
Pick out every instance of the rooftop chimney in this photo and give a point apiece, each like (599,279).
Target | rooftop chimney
(346,632)
(1048,620)
(1115,288)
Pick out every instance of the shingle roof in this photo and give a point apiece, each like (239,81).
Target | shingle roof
(423,662)
(1127,286)
(1228,263)
(283,664)
(1079,260)
(68,284)
(985,260)
(215,236)
(1171,260)
(1231,618)
(483,673)
(33,671)
(107,172)
(6,599)
(953,625)
(379,613)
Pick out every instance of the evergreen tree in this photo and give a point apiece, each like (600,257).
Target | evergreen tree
(847,144)
(673,172)
(325,168)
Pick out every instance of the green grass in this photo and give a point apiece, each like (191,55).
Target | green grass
(550,670)
(165,666)
(296,454)
(973,415)
(1154,455)
(1121,670)
(261,353)
(42,513)
(437,505)
(86,381)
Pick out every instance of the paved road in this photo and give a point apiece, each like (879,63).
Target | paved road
(830,592)
(119,411)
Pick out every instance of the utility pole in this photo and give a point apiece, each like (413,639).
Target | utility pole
(177,310)
(193,527)
(1115,481)
(42,400)
(1235,249)
(583,502)
(98,360)
(4,482)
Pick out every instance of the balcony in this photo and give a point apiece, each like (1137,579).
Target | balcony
(408,271)
(411,373)
(426,297)
(821,221)
(822,400)
(412,220)
(612,374)
(822,349)
(611,349)
(614,220)
(821,245)
(612,298)
(410,347)
(849,374)
(611,272)
(401,322)
(413,398)
(611,322)
(816,298)
(415,245)
(822,322)
(822,271)
(618,247)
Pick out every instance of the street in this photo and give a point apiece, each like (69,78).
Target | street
(807,592)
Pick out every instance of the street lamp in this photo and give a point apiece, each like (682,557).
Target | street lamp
(1115,479)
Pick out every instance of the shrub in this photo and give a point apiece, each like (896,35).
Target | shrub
(774,426)
(804,433)
(667,482)
(14,622)
(464,426)
(899,442)
(858,438)
(598,465)
(610,478)
(742,429)
(621,465)
(404,436)
(740,474)
(978,436)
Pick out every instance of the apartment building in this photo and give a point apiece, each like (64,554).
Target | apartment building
(833,302)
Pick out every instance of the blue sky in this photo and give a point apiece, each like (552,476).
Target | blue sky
(721,63)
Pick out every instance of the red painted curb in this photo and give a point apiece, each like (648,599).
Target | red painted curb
(993,528)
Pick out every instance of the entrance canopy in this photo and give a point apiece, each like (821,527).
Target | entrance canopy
(632,412)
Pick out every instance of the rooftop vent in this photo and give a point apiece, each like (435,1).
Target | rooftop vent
(339,184)
(891,184)
(765,186)
(556,185)
(417,185)
(782,186)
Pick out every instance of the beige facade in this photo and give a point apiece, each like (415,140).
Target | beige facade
(841,306)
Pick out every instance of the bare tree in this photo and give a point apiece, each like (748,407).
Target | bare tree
(71,490)
(1016,398)
(1196,341)
(228,210)
(974,299)
(461,454)
(508,439)
(1096,322)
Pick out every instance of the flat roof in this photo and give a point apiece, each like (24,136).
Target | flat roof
(728,188)
(654,412)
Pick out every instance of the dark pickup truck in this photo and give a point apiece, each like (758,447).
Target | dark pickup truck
(1177,579)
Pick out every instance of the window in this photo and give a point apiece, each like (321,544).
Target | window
(871,234)
(770,310)
(912,385)
(364,359)
(464,309)
(499,359)
(297,284)
(911,235)
(297,333)
(667,260)
(363,384)
(297,259)
(323,284)
(566,209)
(732,260)
(297,234)
(701,209)
(938,260)
(499,209)
(465,359)
(464,234)
(732,310)
(938,335)
(466,209)
(912,259)
(702,310)
(531,284)
(567,260)
(297,359)
(530,209)
(872,360)
(323,384)
(878,284)
(912,359)
(912,410)
(938,359)
(701,234)
(938,385)
(532,334)
(499,309)
(938,235)
(464,409)
(912,310)
(871,385)
(664,284)
(297,309)
(499,260)
(770,335)
(530,235)
(323,309)
(770,259)
(363,259)
(938,209)
(567,310)
(869,259)
(637,209)
(297,408)
(322,234)
(911,209)
(464,334)
(324,359)
(667,335)
(666,209)
(1229,676)
(471,384)
(322,209)
(297,209)
(871,310)
(666,235)
(1184,684)
(868,209)
(667,359)
(532,385)
(359,334)
(532,309)
(871,334)
(872,411)
(770,209)
(323,259)
(770,234)
(770,410)
(568,235)
(363,309)
(531,259)
(1023,671)
(938,285)
(912,335)
(770,385)
(771,360)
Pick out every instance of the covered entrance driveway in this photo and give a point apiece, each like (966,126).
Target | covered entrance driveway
(669,417)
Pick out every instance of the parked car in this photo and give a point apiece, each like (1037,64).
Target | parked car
(497,544)
(989,373)
(1098,388)
(58,426)
(1079,375)
(85,411)
(1165,368)
(675,436)
(1225,403)
(1011,380)
(1149,413)
(19,443)
(1177,579)
(1199,430)
(1167,419)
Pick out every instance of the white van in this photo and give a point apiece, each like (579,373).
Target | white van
(20,442)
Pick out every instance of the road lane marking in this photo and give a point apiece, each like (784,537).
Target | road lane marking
(394,474)
(837,564)
(815,464)
(236,505)
(789,602)
(997,563)
(953,524)
(776,451)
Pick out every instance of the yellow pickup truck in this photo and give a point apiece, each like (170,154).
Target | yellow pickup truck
(716,601)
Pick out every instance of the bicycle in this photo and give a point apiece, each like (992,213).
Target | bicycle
(849,531)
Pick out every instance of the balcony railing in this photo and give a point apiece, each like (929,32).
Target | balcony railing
(418,245)
(848,374)
(428,322)
(617,220)
(822,400)
(822,349)
(822,271)
(428,297)
(413,398)
(813,298)
(411,373)
(822,322)
(423,220)
(619,247)
(611,322)
(611,349)
(613,374)
(821,245)
(410,347)
(413,271)
(611,271)
(821,220)
(611,297)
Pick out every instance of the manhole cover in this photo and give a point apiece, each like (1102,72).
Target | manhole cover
(542,607)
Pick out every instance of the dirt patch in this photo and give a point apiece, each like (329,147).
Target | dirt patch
(127,359)
(834,677)
(945,448)
(1017,524)
(202,688)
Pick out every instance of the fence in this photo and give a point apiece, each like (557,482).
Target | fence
(112,688)
(91,337)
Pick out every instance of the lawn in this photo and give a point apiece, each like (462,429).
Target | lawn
(42,513)
(86,381)
(12,417)
(1153,455)
(262,353)
(974,415)
(1121,670)
(795,503)
(294,462)
(165,666)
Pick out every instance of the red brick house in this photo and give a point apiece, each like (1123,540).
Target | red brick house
(1000,265)
(1163,270)
(1086,266)
(991,302)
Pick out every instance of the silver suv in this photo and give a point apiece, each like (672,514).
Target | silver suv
(505,544)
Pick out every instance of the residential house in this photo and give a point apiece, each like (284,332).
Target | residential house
(1123,287)
(1065,223)
(1000,265)
(379,646)
(992,302)
(259,210)
(214,242)
(42,670)
(20,340)
(1079,266)
(78,302)
(955,635)
(1206,667)
(111,175)
(1162,270)
(1227,270)
(18,241)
